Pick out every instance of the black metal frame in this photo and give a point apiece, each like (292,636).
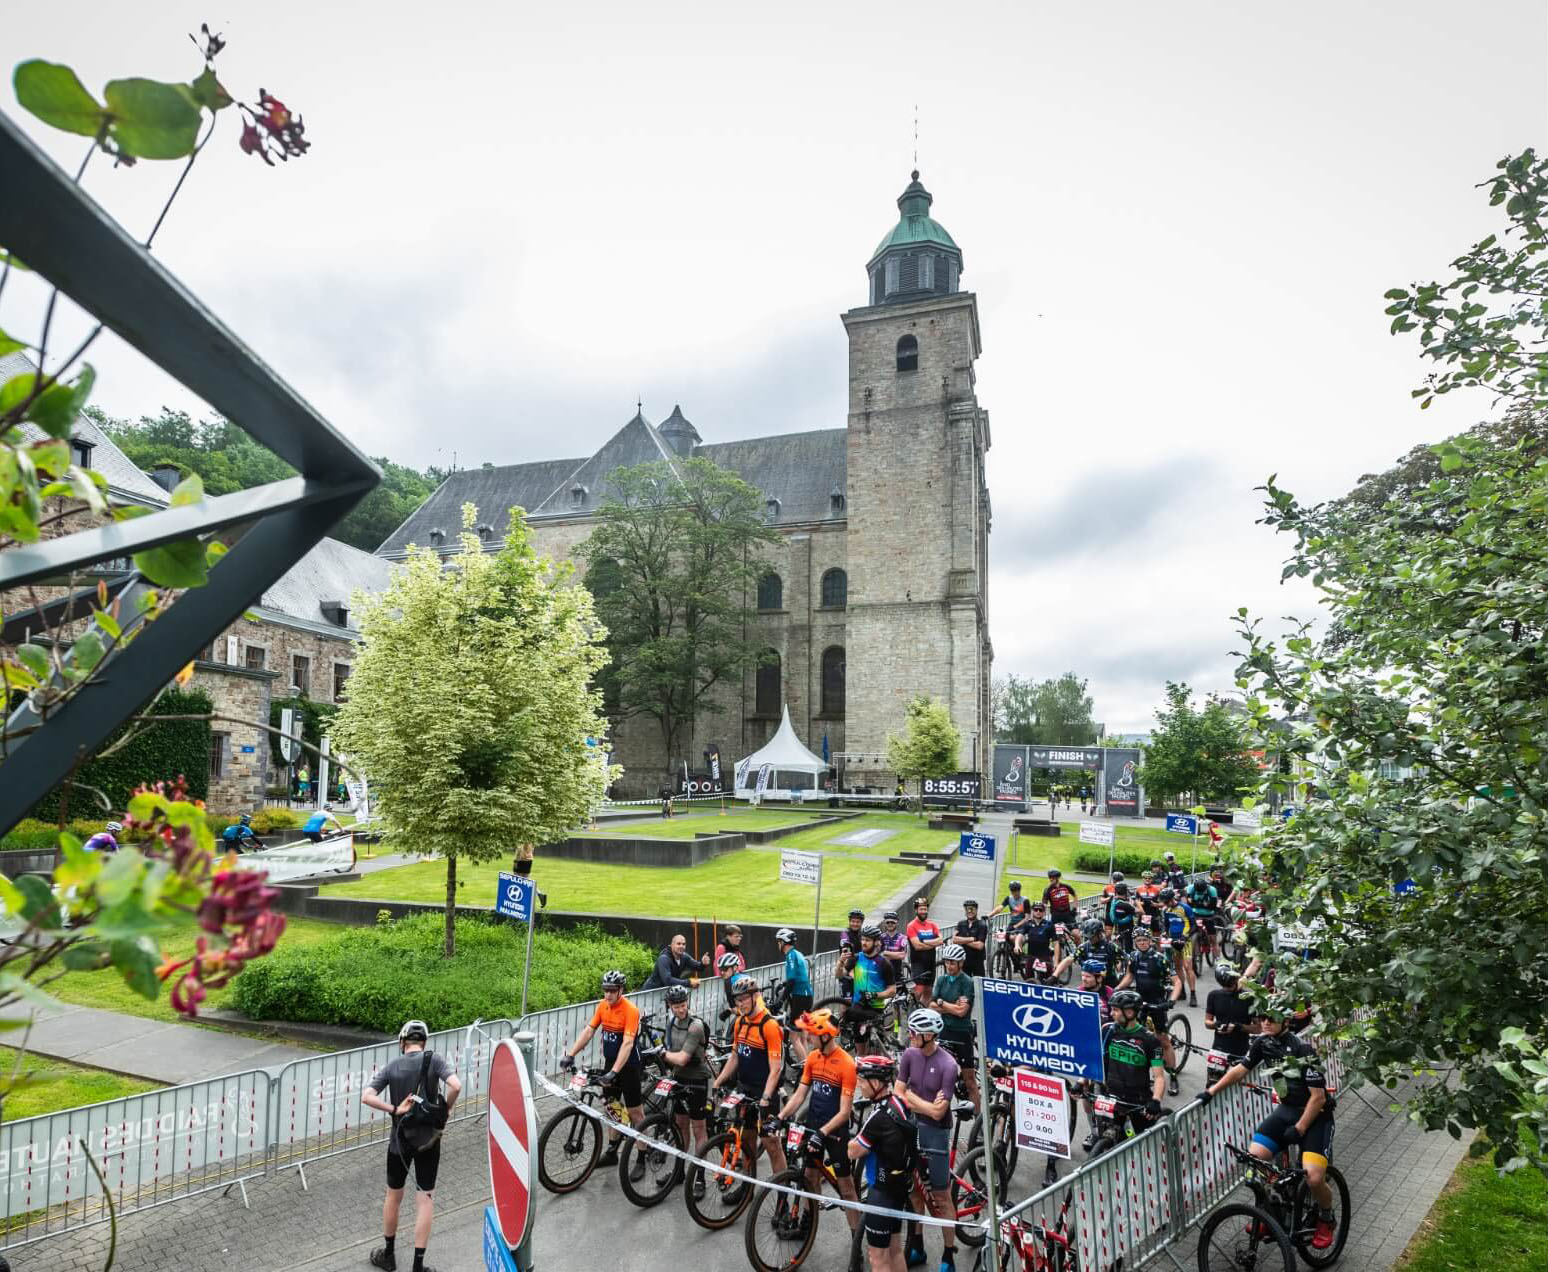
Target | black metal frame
(68,239)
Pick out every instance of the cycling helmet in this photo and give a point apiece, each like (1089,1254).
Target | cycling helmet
(1120,889)
(953,953)
(729,962)
(1092,928)
(926,1020)
(1095,966)
(614,979)
(1128,999)
(114,828)
(743,984)
(890,917)
(1143,933)
(1171,856)
(785,936)
(414,1031)
(1168,895)
(877,1068)
(1054,873)
(1015,885)
(872,931)
(1226,973)
(1117,876)
(818,1023)
(857,914)
(1038,905)
(677,993)
(970,904)
(247,819)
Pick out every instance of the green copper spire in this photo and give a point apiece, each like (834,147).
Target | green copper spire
(915,227)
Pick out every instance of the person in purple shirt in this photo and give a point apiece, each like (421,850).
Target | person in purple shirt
(927,1083)
(103,840)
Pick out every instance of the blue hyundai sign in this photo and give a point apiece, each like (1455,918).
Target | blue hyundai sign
(496,1257)
(513,896)
(1043,1027)
(976,847)
(1182,824)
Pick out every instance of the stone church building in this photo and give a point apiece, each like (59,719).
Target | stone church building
(878,588)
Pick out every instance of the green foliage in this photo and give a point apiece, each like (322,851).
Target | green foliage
(1093,860)
(1483,1210)
(56,96)
(266,821)
(1200,753)
(469,703)
(673,564)
(49,1086)
(378,977)
(32,835)
(176,747)
(1056,712)
(929,744)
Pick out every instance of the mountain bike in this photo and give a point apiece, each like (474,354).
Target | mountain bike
(1110,1118)
(1029,1246)
(1002,1114)
(716,1198)
(571,1141)
(781,1228)
(1282,1216)
(1006,963)
(646,1172)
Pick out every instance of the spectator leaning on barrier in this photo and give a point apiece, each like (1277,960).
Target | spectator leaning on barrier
(405,1079)
(674,966)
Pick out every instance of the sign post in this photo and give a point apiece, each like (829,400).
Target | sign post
(804,867)
(512,1143)
(515,897)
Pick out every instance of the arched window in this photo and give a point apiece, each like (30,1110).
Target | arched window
(766,699)
(835,589)
(833,681)
(771,592)
(908,354)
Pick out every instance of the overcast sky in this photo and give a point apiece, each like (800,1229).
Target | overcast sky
(1178,218)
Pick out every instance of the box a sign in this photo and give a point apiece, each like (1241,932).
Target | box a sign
(1096,833)
(513,896)
(1042,1114)
(1043,1027)
(1182,824)
(976,847)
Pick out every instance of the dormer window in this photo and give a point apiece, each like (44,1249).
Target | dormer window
(771,510)
(836,501)
(577,496)
(80,451)
(438,536)
(336,612)
(485,532)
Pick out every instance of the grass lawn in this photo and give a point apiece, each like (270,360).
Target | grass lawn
(1483,1219)
(687,825)
(107,988)
(57,1084)
(741,885)
(912,835)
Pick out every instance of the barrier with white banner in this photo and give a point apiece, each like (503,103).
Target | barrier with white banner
(303,859)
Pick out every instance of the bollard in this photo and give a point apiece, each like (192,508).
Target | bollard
(526,1043)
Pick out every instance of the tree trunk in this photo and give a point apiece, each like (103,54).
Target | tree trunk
(451,905)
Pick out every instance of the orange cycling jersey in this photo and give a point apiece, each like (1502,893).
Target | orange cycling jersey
(617,1021)
(830,1077)
(759,1045)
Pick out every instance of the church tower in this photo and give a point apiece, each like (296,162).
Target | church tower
(918,503)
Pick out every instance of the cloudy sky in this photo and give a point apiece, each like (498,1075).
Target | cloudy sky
(1179,220)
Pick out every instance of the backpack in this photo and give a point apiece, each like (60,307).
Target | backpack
(420,1128)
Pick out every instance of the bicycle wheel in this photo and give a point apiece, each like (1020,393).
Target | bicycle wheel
(1306,1207)
(1069,969)
(1004,1136)
(781,1228)
(722,1198)
(646,1173)
(1238,1237)
(1004,961)
(1180,1029)
(969,1192)
(568,1149)
(1197,955)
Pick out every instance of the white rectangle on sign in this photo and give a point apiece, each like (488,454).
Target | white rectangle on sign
(1042,1114)
(799,867)
(1247,821)
(1096,833)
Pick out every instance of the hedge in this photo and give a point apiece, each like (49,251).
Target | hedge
(1133,864)
(159,753)
(378,977)
(32,835)
(265,821)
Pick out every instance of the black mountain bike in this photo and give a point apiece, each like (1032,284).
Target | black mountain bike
(1282,1216)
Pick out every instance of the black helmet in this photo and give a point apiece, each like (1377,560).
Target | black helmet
(970,904)
(677,993)
(872,931)
(857,914)
(1054,873)
(1117,876)
(1226,973)
(247,819)
(1127,999)
(1015,885)
(614,980)
(1120,889)
(892,915)
(1091,929)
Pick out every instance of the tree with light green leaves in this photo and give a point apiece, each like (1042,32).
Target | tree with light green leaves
(1197,751)
(1417,721)
(928,745)
(470,703)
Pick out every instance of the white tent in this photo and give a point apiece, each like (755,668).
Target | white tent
(786,757)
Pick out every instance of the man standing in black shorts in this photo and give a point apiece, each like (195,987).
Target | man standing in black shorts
(973,937)
(400,1079)
(889,1137)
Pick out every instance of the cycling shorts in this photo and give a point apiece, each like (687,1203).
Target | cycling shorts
(963,1049)
(426,1163)
(799,1003)
(691,1100)
(935,1150)
(880,1229)
(835,1150)
(1316,1144)
(627,1086)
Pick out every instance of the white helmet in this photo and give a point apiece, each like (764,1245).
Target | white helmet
(925,1021)
(785,936)
(953,953)
(729,961)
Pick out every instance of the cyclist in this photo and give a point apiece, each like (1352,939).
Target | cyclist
(927,1076)
(953,998)
(1132,1068)
(1204,901)
(1060,899)
(619,1021)
(798,985)
(1015,904)
(1178,927)
(1175,879)
(1096,948)
(889,1141)
(894,942)
(827,1088)
(924,938)
(757,1044)
(105,840)
(1147,895)
(848,947)
(1304,1114)
(1223,889)
(1038,938)
(1121,915)
(317,825)
(875,979)
(1160,986)
(728,967)
(1093,972)
(683,1048)
(1228,1011)
(973,936)
(239,837)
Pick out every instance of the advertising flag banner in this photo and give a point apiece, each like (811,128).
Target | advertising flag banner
(1010,776)
(1122,788)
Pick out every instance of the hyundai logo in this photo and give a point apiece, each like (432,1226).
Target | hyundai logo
(1038,1020)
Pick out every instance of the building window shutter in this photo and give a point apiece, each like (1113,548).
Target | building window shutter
(892,274)
(927,273)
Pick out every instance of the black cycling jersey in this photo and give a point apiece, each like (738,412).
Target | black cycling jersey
(1152,972)
(974,930)
(1105,952)
(1229,1007)
(1040,938)
(1130,1058)
(1294,1067)
(891,1133)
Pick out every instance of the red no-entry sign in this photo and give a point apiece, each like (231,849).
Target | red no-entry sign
(512,1141)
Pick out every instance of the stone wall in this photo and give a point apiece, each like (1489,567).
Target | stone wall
(244,748)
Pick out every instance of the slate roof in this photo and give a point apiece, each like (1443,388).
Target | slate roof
(330,572)
(801,470)
(123,478)
(493,490)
